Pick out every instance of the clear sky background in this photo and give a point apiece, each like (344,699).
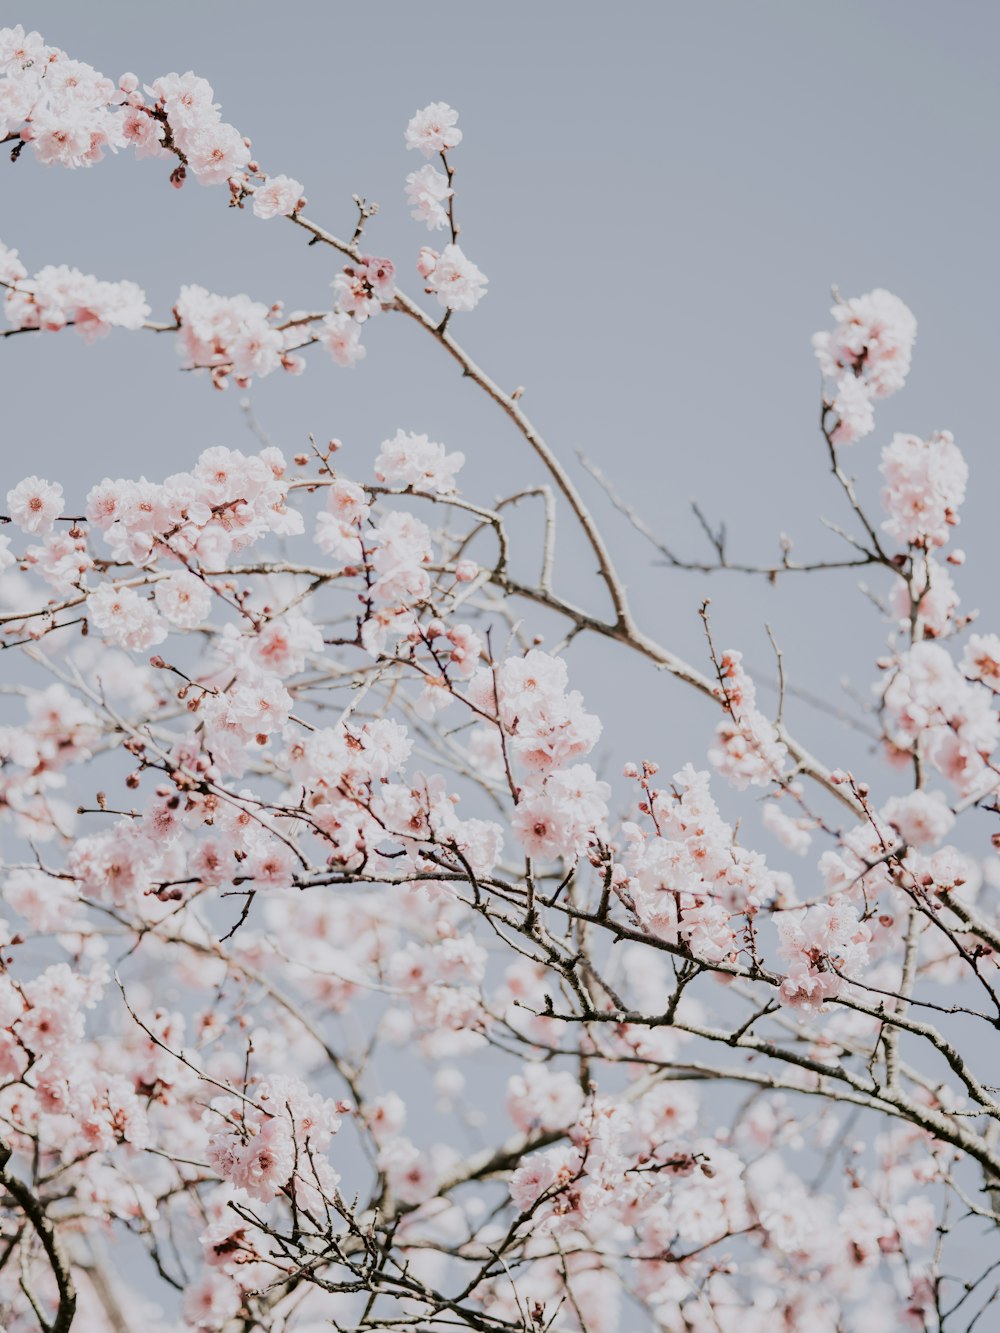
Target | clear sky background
(661,194)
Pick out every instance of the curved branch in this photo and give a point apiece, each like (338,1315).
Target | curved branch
(35,1213)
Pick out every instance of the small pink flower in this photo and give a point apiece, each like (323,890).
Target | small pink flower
(279,196)
(35,504)
(433,129)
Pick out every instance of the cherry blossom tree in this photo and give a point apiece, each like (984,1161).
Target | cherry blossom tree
(288,731)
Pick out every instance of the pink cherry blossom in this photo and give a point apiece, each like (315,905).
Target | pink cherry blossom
(456,282)
(855,412)
(981,659)
(922,818)
(279,196)
(215,152)
(540,1099)
(125,618)
(925,484)
(434,129)
(183,599)
(35,504)
(873,341)
(749,749)
(426,192)
(341,335)
(414,460)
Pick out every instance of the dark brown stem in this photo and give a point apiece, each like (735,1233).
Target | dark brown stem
(35,1213)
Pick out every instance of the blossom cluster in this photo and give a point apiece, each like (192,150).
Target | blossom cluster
(415,461)
(70,114)
(426,191)
(257,1145)
(925,483)
(823,947)
(361,290)
(57,296)
(749,750)
(931,704)
(688,881)
(452,278)
(865,357)
(233,335)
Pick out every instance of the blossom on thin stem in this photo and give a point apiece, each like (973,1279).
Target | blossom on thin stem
(865,357)
(34,504)
(426,192)
(434,129)
(279,196)
(456,282)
